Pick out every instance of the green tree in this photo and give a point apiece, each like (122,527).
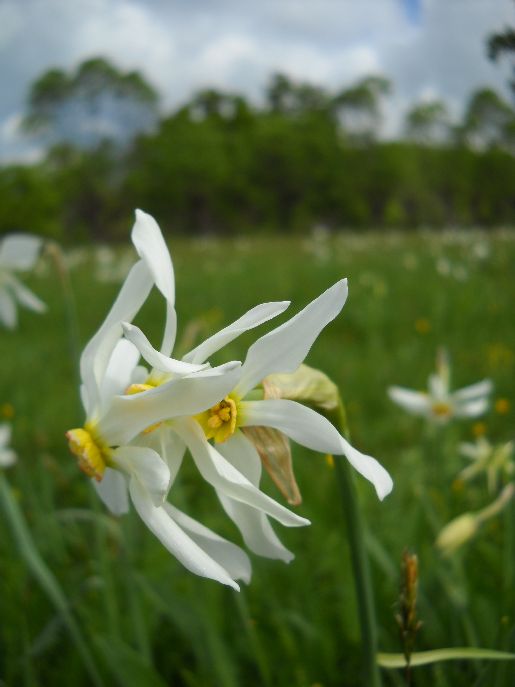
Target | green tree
(95,102)
(503,44)
(288,97)
(428,123)
(358,108)
(488,121)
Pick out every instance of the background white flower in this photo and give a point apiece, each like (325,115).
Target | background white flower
(439,404)
(18,253)
(7,455)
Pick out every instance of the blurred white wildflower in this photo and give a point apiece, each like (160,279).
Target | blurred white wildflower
(18,253)
(463,528)
(319,243)
(447,268)
(440,404)
(481,249)
(493,461)
(7,455)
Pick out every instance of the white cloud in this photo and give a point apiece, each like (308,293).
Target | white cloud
(14,145)
(182,46)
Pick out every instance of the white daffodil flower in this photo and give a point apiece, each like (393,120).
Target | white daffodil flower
(440,404)
(18,253)
(234,467)
(7,455)
(107,447)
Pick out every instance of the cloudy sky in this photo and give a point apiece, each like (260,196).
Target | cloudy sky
(429,48)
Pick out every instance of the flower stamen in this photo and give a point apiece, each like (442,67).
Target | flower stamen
(93,455)
(220,421)
(441,409)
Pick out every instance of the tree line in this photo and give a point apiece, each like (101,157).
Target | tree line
(219,164)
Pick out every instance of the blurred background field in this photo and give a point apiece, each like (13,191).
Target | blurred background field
(146,619)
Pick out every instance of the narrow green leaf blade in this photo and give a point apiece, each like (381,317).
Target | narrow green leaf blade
(422,658)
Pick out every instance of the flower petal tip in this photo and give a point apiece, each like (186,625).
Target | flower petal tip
(384,488)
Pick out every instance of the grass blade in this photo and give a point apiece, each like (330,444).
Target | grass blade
(422,658)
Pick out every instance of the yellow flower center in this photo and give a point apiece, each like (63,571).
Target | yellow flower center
(441,409)
(220,421)
(138,388)
(92,453)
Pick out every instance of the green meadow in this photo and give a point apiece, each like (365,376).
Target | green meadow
(142,618)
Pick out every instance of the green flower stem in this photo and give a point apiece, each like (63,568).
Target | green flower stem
(44,576)
(359,561)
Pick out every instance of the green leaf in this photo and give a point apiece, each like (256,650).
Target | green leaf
(422,658)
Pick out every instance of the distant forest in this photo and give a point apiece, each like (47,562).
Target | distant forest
(221,165)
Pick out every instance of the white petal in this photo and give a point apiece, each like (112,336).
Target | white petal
(172,450)
(120,369)
(414,402)
(175,540)
(284,348)
(241,453)
(168,445)
(216,470)
(113,491)
(252,318)
(147,467)
(25,297)
(370,468)
(129,415)
(97,352)
(471,451)
(148,241)
(19,251)
(473,408)
(483,388)
(170,331)
(7,458)
(253,524)
(225,553)
(158,360)
(5,434)
(7,309)
(139,375)
(438,388)
(310,429)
